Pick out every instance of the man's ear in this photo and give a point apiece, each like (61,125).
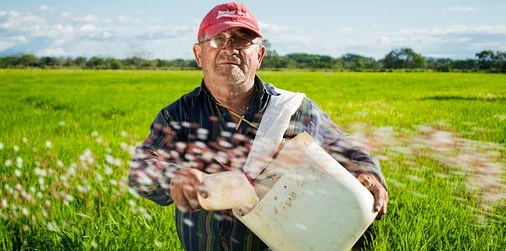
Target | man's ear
(196,52)
(261,54)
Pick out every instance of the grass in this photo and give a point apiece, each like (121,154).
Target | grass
(66,138)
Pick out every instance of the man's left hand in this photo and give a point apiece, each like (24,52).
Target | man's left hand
(371,182)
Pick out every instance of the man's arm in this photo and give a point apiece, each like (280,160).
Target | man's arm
(159,172)
(152,164)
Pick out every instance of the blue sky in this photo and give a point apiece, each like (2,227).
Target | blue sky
(167,29)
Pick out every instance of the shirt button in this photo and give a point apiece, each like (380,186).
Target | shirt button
(224,114)
(221,238)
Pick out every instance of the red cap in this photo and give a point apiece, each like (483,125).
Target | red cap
(226,16)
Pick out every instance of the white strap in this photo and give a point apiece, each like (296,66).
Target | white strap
(270,133)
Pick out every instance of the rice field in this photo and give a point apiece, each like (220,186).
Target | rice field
(66,138)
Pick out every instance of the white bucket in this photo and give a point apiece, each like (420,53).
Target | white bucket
(313,203)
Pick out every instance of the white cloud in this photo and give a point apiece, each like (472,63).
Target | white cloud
(88,28)
(17,21)
(124,19)
(45,8)
(53,52)
(265,27)
(460,9)
(347,30)
(66,29)
(85,19)
(65,14)
(6,42)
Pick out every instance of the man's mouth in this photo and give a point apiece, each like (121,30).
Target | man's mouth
(229,62)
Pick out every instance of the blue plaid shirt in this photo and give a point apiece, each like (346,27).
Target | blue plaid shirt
(195,121)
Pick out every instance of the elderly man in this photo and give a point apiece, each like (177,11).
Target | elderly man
(210,130)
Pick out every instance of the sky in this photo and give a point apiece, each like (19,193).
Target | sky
(167,29)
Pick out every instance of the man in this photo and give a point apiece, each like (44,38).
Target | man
(210,130)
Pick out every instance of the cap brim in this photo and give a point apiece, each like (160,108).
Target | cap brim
(219,27)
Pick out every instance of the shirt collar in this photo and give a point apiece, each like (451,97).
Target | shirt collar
(264,88)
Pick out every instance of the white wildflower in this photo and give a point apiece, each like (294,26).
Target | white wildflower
(25,140)
(108,170)
(94,244)
(49,144)
(17,172)
(123,134)
(4,203)
(62,123)
(158,244)
(69,198)
(8,163)
(1,146)
(94,134)
(130,202)
(16,148)
(25,211)
(52,226)
(19,162)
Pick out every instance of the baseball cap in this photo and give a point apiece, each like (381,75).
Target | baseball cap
(226,16)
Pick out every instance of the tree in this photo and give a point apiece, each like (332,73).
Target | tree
(28,60)
(501,61)
(95,63)
(486,59)
(403,58)
(271,58)
(80,62)
(356,62)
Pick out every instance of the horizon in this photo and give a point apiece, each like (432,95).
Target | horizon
(163,30)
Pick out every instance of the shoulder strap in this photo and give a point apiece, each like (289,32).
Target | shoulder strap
(270,133)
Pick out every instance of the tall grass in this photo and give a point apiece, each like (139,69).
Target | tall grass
(67,136)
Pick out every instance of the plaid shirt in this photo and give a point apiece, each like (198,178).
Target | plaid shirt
(195,132)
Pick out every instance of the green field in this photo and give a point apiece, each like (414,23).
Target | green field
(66,138)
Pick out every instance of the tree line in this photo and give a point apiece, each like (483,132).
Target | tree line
(403,59)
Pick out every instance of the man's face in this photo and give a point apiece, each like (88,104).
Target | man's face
(229,64)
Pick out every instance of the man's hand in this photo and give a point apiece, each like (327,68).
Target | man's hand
(184,186)
(371,182)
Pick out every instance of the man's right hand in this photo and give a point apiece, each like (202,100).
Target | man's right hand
(184,186)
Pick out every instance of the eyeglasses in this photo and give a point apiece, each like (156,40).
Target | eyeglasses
(220,41)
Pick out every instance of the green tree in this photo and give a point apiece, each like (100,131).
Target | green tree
(486,59)
(403,58)
(28,60)
(80,62)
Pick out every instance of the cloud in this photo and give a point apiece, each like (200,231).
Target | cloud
(85,19)
(17,21)
(272,28)
(125,19)
(88,27)
(347,30)
(45,8)
(52,52)
(458,41)
(7,42)
(460,9)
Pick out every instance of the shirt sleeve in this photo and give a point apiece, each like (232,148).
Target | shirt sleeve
(341,146)
(153,161)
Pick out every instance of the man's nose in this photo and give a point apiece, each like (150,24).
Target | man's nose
(230,47)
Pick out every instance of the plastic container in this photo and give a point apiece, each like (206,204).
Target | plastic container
(312,203)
